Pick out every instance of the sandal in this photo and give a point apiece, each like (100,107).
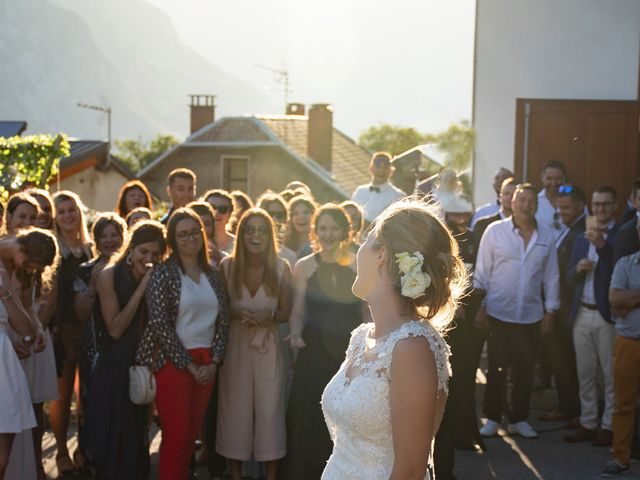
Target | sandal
(66,469)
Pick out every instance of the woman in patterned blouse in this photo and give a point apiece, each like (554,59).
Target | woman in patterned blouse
(185,338)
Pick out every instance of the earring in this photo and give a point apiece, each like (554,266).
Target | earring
(129,260)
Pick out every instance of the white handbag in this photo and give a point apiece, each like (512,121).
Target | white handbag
(142,382)
(142,385)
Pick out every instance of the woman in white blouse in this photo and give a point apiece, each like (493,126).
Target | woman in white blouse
(185,339)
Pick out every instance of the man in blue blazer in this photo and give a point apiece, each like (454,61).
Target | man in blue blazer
(590,271)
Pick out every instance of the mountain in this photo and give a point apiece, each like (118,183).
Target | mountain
(122,52)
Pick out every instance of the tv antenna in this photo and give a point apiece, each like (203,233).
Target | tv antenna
(104,109)
(282,77)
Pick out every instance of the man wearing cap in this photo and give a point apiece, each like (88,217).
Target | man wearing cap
(374,197)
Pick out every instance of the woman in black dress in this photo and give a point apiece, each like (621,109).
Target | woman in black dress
(324,314)
(115,428)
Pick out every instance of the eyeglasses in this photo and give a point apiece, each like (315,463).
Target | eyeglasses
(222,209)
(565,189)
(250,230)
(194,234)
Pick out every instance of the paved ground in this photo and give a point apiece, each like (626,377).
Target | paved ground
(509,458)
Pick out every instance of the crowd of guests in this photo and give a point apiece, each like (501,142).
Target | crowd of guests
(555,284)
(242,311)
(216,298)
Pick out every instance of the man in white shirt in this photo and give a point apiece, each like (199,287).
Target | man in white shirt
(516,268)
(374,197)
(492,208)
(553,175)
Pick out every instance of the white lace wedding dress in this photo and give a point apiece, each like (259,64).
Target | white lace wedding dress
(356,402)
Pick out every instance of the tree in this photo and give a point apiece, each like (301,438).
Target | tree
(458,141)
(31,160)
(137,154)
(390,138)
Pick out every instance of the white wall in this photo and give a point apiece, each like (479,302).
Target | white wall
(98,190)
(556,49)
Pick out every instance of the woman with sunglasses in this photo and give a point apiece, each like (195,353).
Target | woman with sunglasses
(75,249)
(23,262)
(115,428)
(241,203)
(207,214)
(251,411)
(185,338)
(276,207)
(301,210)
(222,203)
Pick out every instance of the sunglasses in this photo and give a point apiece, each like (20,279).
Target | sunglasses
(565,189)
(222,209)
(192,235)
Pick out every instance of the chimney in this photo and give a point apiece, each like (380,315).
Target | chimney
(295,109)
(320,134)
(202,111)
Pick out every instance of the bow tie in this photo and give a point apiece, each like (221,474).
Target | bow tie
(374,189)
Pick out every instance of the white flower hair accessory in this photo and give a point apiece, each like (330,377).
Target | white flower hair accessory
(413,280)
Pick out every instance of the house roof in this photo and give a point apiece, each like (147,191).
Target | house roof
(289,132)
(12,128)
(83,151)
(349,161)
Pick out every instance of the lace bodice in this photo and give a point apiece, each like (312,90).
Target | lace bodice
(356,402)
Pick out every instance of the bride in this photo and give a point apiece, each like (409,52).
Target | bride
(385,404)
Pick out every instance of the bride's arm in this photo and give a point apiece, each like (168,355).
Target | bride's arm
(413,391)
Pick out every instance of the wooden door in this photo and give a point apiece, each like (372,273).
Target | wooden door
(597,140)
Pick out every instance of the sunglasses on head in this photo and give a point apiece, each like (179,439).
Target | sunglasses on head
(565,189)
(222,209)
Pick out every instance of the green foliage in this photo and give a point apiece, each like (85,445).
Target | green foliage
(137,154)
(390,138)
(458,141)
(31,160)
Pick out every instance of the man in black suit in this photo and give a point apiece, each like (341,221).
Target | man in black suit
(571,202)
(627,241)
(506,192)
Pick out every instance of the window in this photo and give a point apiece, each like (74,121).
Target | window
(235,173)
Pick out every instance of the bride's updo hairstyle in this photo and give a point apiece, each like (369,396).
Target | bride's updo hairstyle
(411,226)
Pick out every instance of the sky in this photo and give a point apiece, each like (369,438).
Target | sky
(408,62)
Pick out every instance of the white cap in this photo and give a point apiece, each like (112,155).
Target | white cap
(455,204)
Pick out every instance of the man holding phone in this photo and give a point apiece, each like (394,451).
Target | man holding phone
(590,271)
